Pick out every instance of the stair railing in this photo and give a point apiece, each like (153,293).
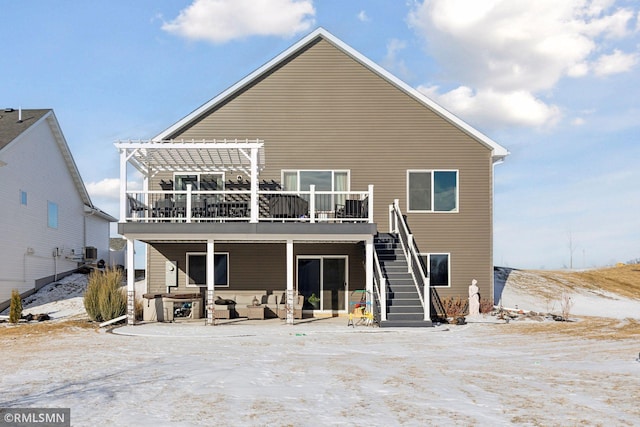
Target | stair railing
(398,225)
(380,289)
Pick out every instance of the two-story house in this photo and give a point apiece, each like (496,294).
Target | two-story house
(321,175)
(48,224)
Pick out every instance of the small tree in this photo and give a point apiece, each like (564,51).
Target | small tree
(15,310)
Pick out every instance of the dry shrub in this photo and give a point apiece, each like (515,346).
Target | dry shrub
(139,309)
(486,305)
(15,310)
(104,298)
(454,306)
(92,297)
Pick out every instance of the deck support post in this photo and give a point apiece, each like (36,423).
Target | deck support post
(123,185)
(131,283)
(211,313)
(290,291)
(369,272)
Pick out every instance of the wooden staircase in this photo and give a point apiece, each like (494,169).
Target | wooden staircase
(404,308)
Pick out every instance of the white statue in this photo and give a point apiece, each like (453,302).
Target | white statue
(474,299)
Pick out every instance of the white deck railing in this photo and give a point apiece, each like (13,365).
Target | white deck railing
(397,224)
(239,205)
(380,287)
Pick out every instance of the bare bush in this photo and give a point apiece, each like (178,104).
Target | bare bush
(454,306)
(486,305)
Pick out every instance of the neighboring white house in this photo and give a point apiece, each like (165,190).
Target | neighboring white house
(48,225)
(118,252)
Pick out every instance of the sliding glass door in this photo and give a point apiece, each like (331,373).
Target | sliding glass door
(323,282)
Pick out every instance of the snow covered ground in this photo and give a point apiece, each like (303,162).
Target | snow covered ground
(322,372)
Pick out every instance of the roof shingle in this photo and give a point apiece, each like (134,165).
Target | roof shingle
(11,126)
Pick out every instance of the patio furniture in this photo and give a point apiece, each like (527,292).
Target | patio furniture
(255,312)
(288,206)
(163,208)
(198,208)
(227,209)
(180,208)
(353,208)
(136,207)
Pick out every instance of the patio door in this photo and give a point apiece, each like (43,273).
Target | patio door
(323,282)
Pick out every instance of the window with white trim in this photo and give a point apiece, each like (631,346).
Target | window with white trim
(324,180)
(199,181)
(197,269)
(438,268)
(432,191)
(52,215)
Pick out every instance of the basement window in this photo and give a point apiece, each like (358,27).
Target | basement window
(438,270)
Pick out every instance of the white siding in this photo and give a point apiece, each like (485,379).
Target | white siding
(97,230)
(35,165)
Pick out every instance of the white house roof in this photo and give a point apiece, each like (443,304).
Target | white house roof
(15,123)
(498,151)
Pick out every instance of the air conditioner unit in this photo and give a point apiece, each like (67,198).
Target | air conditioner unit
(90,253)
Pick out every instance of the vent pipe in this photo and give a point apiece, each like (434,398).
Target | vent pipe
(19,114)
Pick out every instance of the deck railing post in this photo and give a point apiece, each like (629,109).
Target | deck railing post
(255,209)
(188,212)
(312,203)
(370,205)
(383,299)
(123,185)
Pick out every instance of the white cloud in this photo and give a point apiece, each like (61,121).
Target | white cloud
(108,188)
(512,50)
(220,21)
(391,60)
(617,62)
(495,108)
(362,16)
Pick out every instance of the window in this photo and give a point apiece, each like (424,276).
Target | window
(197,269)
(201,181)
(432,191)
(52,215)
(324,180)
(438,269)
(23,198)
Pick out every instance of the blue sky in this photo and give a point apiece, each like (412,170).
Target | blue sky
(556,83)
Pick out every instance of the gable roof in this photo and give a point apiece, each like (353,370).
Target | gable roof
(498,151)
(16,123)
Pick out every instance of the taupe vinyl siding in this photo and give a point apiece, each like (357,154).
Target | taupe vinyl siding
(252,266)
(324,110)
